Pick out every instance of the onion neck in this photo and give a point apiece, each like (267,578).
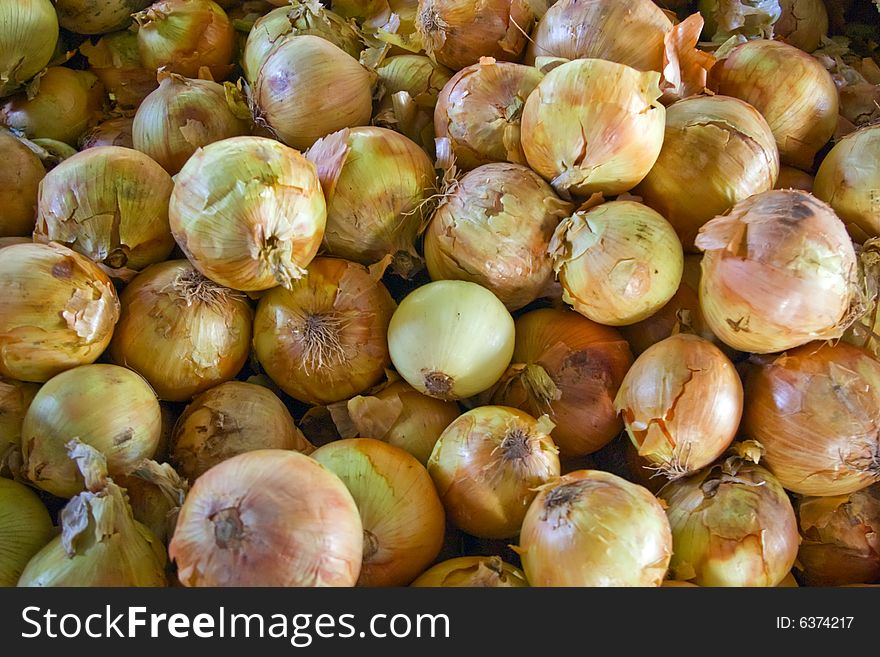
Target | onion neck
(228,528)
(371,545)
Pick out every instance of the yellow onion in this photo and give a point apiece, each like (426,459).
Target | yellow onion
(61,105)
(816,411)
(789,88)
(451,339)
(269,517)
(29,32)
(183,115)
(472,572)
(20,179)
(592,528)
(731,146)
(185,35)
(112,132)
(743,18)
(841,538)
(803,23)
(376,183)
(97,16)
(181,331)
(110,204)
(248,212)
(777,272)
(116,62)
(618,263)
(570,368)
(307,88)
(791,178)
(324,339)
(401,514)
(494,228)
(73,404)
(15,399)
(593,126)
(487,466)
(101,544)
(732,525)
(25,528)
(231,419)
(155,492)
(849,181)
(370,12)
(681,402)
(57,311)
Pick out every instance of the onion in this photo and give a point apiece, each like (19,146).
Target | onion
(108,203)
(777,272)
(25,527)
(155,492)
(268,518)
(841,538)
(307,88)
(816,411)
(743,18)
(402,517)
(78,96)
(116,62)
(472,572)
(15,399)
(732,147)
(19,181)
(184,35)
(592,528)
(803,24)
(791,178)
(376,183)
(324,339)
(793,92)
(732,525)
(248,212)
(231,419)
(480,110)
(593,126)
(57,311)
(494,228)
(112,132)
(97,16)
(181,331)
(451,339)
(681,402)
(487,466)
(618,263)
(27,41)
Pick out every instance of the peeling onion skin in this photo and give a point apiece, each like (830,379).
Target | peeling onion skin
(592,528)
(816,411)
(112,132)
(57,311)
(29,40)
(268,518)
(116,62)
(97,16)
(19,184)
(25,528)
(472,572)
(803,23)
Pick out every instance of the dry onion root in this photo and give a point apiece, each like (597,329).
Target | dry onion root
(472,572)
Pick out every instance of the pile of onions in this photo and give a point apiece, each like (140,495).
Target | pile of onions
(112,132)
(472,572)
(268,518)
(324,339)
(803,23)
(25,528)
(592,528)
(30,31)
(402,517)
(494,228)
(248,212)
(793,92)
(778,272)
(62,314)
(308,88)
(71,405)
(480,110)
(747,19)
(791,178)
(451,339)
(732,525)
(816,411)
(182,332)
(231,419)
(570,368)
(618,263)
(110,204)
(593,126)
(732,147)
(20,179)
(90,17)
(184,35)
(376,182)
(116,62)
(681,402)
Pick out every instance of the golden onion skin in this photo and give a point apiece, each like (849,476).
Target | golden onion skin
(25,528)
(791,178)
(15,399)
(748,19)
(803,23)
(19,183)
(97,16)
(112,132)
(116,62)
(30,33)
(472,572)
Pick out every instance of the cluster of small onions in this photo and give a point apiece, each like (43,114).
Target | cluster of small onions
(479,249)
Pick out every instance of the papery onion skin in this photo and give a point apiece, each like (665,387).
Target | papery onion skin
(116,62)
(778,271)
(181,331)
(155,492)
(19,181)
(482,572)
(803,24)
(791,178)
(745,19)
(248,212)
(29,38)
(112,132)
(592,528)
(268,518)
(25,527)
(816,411)
(789,88)
(97,16)
(494,228)
(15,398)
(57,311)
